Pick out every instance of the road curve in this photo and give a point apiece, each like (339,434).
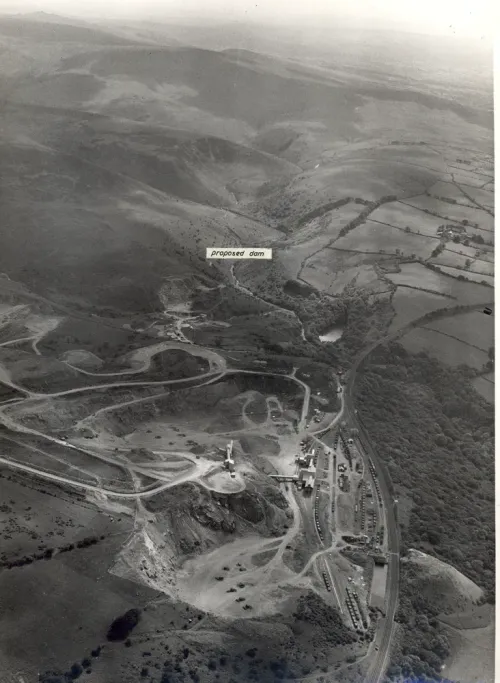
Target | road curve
(145,355)
(77,484)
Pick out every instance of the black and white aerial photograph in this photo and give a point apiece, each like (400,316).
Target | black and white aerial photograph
(247,341)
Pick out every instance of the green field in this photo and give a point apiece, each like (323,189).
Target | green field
(401,215)
(485,385)
(474,328)
(410,304)
(373,237)
(444,348)
(469,275)
(323,273)
(454,212)
(418,276)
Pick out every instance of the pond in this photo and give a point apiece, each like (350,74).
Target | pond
(332,335)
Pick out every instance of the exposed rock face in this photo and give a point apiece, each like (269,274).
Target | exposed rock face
(218,511)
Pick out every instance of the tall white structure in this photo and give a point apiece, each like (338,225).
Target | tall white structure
(229,461)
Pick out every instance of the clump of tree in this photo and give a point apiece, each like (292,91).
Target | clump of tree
(49,553)
(313,611)
(440,425)
(435,252)
(122,626)
(423,645)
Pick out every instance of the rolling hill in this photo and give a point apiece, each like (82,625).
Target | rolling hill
(126,150)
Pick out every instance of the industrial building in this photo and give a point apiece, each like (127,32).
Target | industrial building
(229,460)
(307,475)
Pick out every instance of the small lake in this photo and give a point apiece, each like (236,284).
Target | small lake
(332,335)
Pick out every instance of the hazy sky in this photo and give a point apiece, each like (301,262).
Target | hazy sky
(454,17)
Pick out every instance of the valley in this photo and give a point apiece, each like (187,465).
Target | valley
(234,462)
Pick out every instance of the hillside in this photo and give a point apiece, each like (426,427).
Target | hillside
(445,623)
(157,407)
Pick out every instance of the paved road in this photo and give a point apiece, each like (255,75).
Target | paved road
(145,355)
(80,484)
(379,659)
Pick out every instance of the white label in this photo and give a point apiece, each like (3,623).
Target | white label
(238,252)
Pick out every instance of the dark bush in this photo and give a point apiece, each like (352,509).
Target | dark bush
(124,625)
(75,672)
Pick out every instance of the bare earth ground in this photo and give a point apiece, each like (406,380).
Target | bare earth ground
(121,396)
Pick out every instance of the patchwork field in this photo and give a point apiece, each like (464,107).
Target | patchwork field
(374,237)
(458,261)
(402,215)
(410,304)
(468,275)
(475,328)
(418,276)
(369,175)
(448,190)
(126,152)
(444,348)
(454,212)
(469,180)
(450,258)
(482,196)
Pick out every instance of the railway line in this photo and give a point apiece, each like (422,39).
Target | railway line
(380,649)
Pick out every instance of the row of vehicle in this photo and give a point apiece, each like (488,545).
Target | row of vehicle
(316,515)
(362,505)
(352,608)
(345,448)
(375,480)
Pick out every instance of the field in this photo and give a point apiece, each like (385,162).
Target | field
(316,234)
(375,237)
(482,196)
(401,215)
(454,261)
(476,617)
(363,275)
(474,328)
(322,271)
(451,258)
(452,211)
(81,600)
(418,276)
(168,394)
(473,655)
(485,385)
(448,190)
(462,620)
(444,348)
(469,275)
(410,304)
